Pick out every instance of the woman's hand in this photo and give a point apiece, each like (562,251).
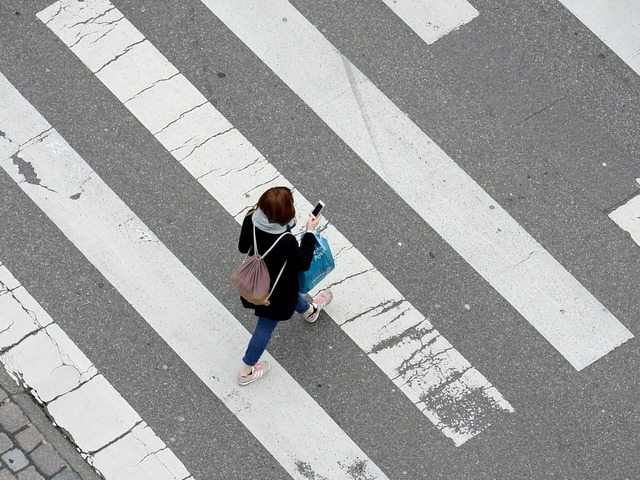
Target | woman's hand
(312,223)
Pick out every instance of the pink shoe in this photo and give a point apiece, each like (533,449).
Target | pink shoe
(320,301)
(258,371)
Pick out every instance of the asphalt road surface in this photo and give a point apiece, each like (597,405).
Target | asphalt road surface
(486,310)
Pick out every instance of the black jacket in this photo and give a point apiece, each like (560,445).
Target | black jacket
(298,257)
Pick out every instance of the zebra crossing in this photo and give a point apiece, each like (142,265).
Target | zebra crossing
(302,437)
(477,227)
(219,157)
(147,275)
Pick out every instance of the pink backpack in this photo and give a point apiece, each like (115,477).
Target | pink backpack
(252,279)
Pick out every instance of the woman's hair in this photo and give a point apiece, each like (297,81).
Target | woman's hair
(277,205)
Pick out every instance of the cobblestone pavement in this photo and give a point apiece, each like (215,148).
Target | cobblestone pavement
(30,447)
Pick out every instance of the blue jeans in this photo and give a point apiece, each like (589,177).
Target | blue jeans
(262,334)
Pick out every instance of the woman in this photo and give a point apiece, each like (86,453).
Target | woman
(274,215)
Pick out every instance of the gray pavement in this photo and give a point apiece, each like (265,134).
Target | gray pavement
(485,94)
(31,448)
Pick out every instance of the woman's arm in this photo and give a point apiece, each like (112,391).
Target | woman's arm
(304,254)
(246,234)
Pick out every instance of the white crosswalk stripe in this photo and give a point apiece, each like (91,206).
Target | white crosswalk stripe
(617,23)
(371,311)
(627,217)
(104,427)
(433,19)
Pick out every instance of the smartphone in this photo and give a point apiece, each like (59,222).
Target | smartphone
(318,209)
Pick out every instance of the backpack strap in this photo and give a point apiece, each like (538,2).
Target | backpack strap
(277,278)
(255,249)
(255,242)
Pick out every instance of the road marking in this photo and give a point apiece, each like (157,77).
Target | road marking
(45,361)
(627,217)
(398,338)
(291,425)
(433,19)
(448,199)
(615,22)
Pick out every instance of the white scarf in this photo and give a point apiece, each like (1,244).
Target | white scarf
(261,221)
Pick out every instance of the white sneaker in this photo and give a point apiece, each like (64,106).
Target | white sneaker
(258,371)
(320,301)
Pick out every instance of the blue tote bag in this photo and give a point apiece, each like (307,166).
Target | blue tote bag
(321,265)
